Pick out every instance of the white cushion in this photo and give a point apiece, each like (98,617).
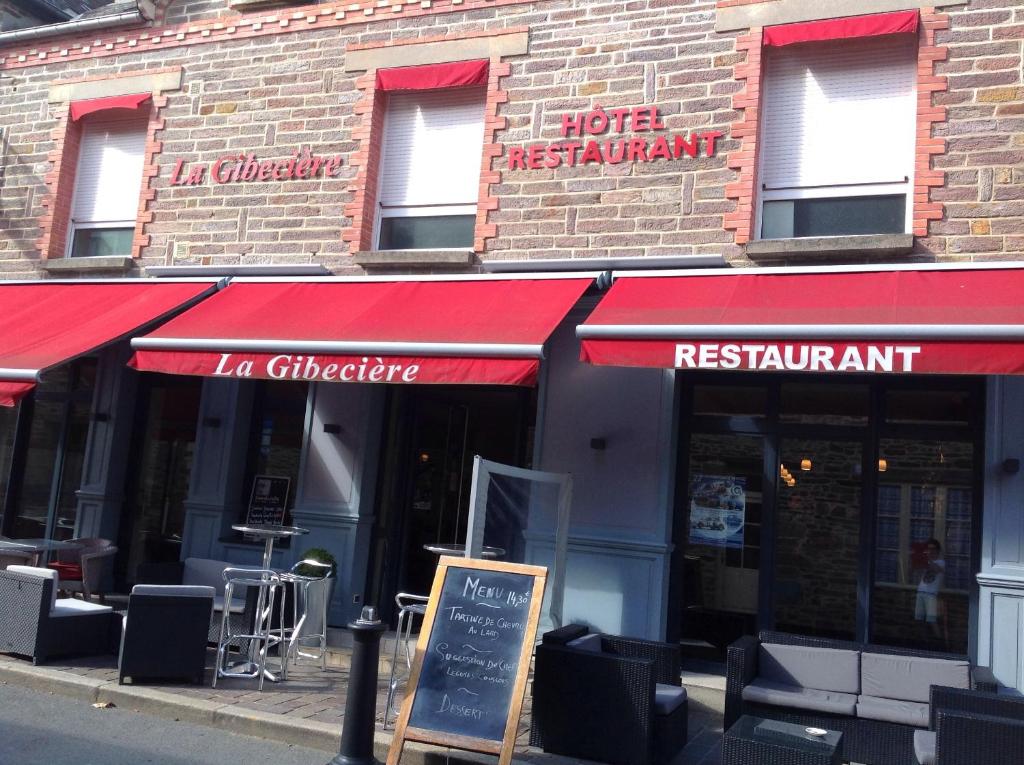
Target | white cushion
(174,590)
(76,607)
(796,697)
(824,669)
(668,698)
(590,642)
(42,573)
(893,710)
(924,747)
(237,606)
(909,678)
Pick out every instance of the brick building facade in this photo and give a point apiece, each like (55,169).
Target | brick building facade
(632,136)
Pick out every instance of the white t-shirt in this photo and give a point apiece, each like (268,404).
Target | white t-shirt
(932,581)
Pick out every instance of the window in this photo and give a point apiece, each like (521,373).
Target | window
(837,154)
(107,184)
(430,169)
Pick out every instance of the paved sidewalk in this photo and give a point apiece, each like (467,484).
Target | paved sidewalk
(308,709)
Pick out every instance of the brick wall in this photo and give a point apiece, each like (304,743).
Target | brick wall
(269,87)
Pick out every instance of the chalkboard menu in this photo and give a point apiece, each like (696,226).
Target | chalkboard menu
(268,500)
(473,656)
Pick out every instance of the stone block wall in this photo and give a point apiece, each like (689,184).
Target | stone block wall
(272,81)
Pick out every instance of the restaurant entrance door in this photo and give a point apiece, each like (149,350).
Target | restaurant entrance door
(163,446)
(433,434)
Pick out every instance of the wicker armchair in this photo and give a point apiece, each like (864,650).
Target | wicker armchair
(165,633)
(82,570)
(864,740)
(35,624)
(15,558)
(969,727)
(604,704)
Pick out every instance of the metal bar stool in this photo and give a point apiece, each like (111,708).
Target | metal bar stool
(408,607)
(310,602)
(261,637)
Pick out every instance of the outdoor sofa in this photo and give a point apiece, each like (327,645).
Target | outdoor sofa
(877,696)
(607,698)
(204,572)
(37,624)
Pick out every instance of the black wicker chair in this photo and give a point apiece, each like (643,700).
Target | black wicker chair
(241,620)
(34,624)
(864,740)
(969,727)
(601,705)
(165,633)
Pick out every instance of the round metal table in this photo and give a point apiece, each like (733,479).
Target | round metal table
(270,534)
(457,548)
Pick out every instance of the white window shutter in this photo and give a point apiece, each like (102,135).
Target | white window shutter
(432,148)
(109,175)
(839,113)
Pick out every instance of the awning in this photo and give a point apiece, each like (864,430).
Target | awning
(902,320)
(80,109)
(46,324)
(444,330)
(458,74)
(872,25)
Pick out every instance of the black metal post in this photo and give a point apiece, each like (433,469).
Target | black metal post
(361,702)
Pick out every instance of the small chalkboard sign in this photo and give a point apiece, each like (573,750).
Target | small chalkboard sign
(268,500)
(472,658)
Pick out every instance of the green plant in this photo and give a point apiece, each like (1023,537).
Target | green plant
(320,555)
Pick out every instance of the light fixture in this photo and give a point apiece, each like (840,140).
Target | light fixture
(782,470)
(883,465)
(805,464)
(424,457)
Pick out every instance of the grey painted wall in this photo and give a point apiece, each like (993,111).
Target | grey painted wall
(619,535)
(1000,642)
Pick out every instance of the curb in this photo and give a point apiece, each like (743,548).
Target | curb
(153,701)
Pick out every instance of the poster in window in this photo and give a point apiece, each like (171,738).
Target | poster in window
(717,510)
(268,501)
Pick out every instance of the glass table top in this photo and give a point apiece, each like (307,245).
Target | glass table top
(271,531)
(37,545)
(786,734)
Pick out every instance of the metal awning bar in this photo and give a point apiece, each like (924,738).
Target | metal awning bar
(20,375)
(340,348)
(781,332)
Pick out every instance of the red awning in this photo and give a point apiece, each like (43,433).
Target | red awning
(485,331)
(459,74)
(81,108)
(874,25)
(926,320)
(45,324)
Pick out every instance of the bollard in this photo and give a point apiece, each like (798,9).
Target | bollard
(361,701)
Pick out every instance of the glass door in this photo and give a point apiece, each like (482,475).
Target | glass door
(163,448)
(817,536)
(723,552)
(44,497)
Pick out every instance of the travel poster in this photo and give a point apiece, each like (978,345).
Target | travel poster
(717,510)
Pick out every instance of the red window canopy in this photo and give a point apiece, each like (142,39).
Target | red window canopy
(920,320)
(874,25)
(80,109)
(480,330)
(46,324)
(459,74)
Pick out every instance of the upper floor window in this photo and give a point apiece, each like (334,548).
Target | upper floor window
(837,142)
(430,169)
(108,180)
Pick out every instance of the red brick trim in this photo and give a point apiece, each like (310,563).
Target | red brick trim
(236,27)
(370,110)
(744,159)
(928,116)
(55,222)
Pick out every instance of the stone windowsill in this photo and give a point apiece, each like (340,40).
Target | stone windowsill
(414,258)
(826,248)
(78,265)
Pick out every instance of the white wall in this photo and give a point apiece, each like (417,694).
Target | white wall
(619,537)
(1000,643)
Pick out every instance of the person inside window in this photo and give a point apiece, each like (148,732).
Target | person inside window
(933,574)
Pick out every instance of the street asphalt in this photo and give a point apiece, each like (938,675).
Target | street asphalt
(43,729)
